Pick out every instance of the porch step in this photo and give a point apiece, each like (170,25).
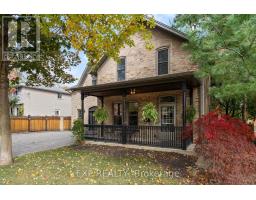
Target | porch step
(191,147)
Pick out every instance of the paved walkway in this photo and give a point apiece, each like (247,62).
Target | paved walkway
(24,143)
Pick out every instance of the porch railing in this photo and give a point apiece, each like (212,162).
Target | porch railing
(162,136)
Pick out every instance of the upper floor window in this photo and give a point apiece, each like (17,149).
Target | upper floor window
(57,112)
(94,80)
(121,69)
(162,61)
(59,96)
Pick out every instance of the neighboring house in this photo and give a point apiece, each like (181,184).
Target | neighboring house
(163,76)
(41,101)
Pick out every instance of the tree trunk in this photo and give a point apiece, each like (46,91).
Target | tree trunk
(244,110)
(227,107)
(6,140)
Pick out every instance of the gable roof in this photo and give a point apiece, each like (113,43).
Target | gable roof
(159,25)
(171,30)
(84,75)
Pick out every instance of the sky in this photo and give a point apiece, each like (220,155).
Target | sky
(78,70)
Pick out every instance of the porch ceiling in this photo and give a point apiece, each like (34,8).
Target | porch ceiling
(142,85)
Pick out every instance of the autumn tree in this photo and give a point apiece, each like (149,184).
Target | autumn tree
(95,35)
(55,59)
(99,35)
(224,48)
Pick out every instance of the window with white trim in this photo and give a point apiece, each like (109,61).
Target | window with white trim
(167,110)
(167,114)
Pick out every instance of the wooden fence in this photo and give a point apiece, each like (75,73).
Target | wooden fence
(36,123)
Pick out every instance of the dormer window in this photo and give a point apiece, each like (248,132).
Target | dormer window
(121,69)
(163,61)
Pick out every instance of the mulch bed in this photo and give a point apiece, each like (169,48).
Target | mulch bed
(185,164)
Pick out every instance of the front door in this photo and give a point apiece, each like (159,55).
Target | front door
(167,115)
(133,118)
(118,113)
(167,112)
(133,113)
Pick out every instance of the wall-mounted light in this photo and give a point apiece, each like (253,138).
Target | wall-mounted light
(132,91)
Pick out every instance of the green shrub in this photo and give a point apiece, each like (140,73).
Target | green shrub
(149,113)
(191,113)
(78,130)
(100,115)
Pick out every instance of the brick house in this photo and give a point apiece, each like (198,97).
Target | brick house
(163,76)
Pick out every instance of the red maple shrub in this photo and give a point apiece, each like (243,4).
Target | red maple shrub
(225,144)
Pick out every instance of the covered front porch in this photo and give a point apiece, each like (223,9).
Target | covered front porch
(170,93)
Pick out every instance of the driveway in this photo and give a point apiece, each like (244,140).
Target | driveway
(24,143)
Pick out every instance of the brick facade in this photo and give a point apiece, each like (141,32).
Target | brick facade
(153,97)
(141,63)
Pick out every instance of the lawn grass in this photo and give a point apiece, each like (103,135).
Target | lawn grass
(71,165)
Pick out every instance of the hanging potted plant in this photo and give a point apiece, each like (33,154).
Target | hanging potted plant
(149,113)
(100,115)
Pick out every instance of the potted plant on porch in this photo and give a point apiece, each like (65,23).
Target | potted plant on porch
(101,115)
(149,113)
